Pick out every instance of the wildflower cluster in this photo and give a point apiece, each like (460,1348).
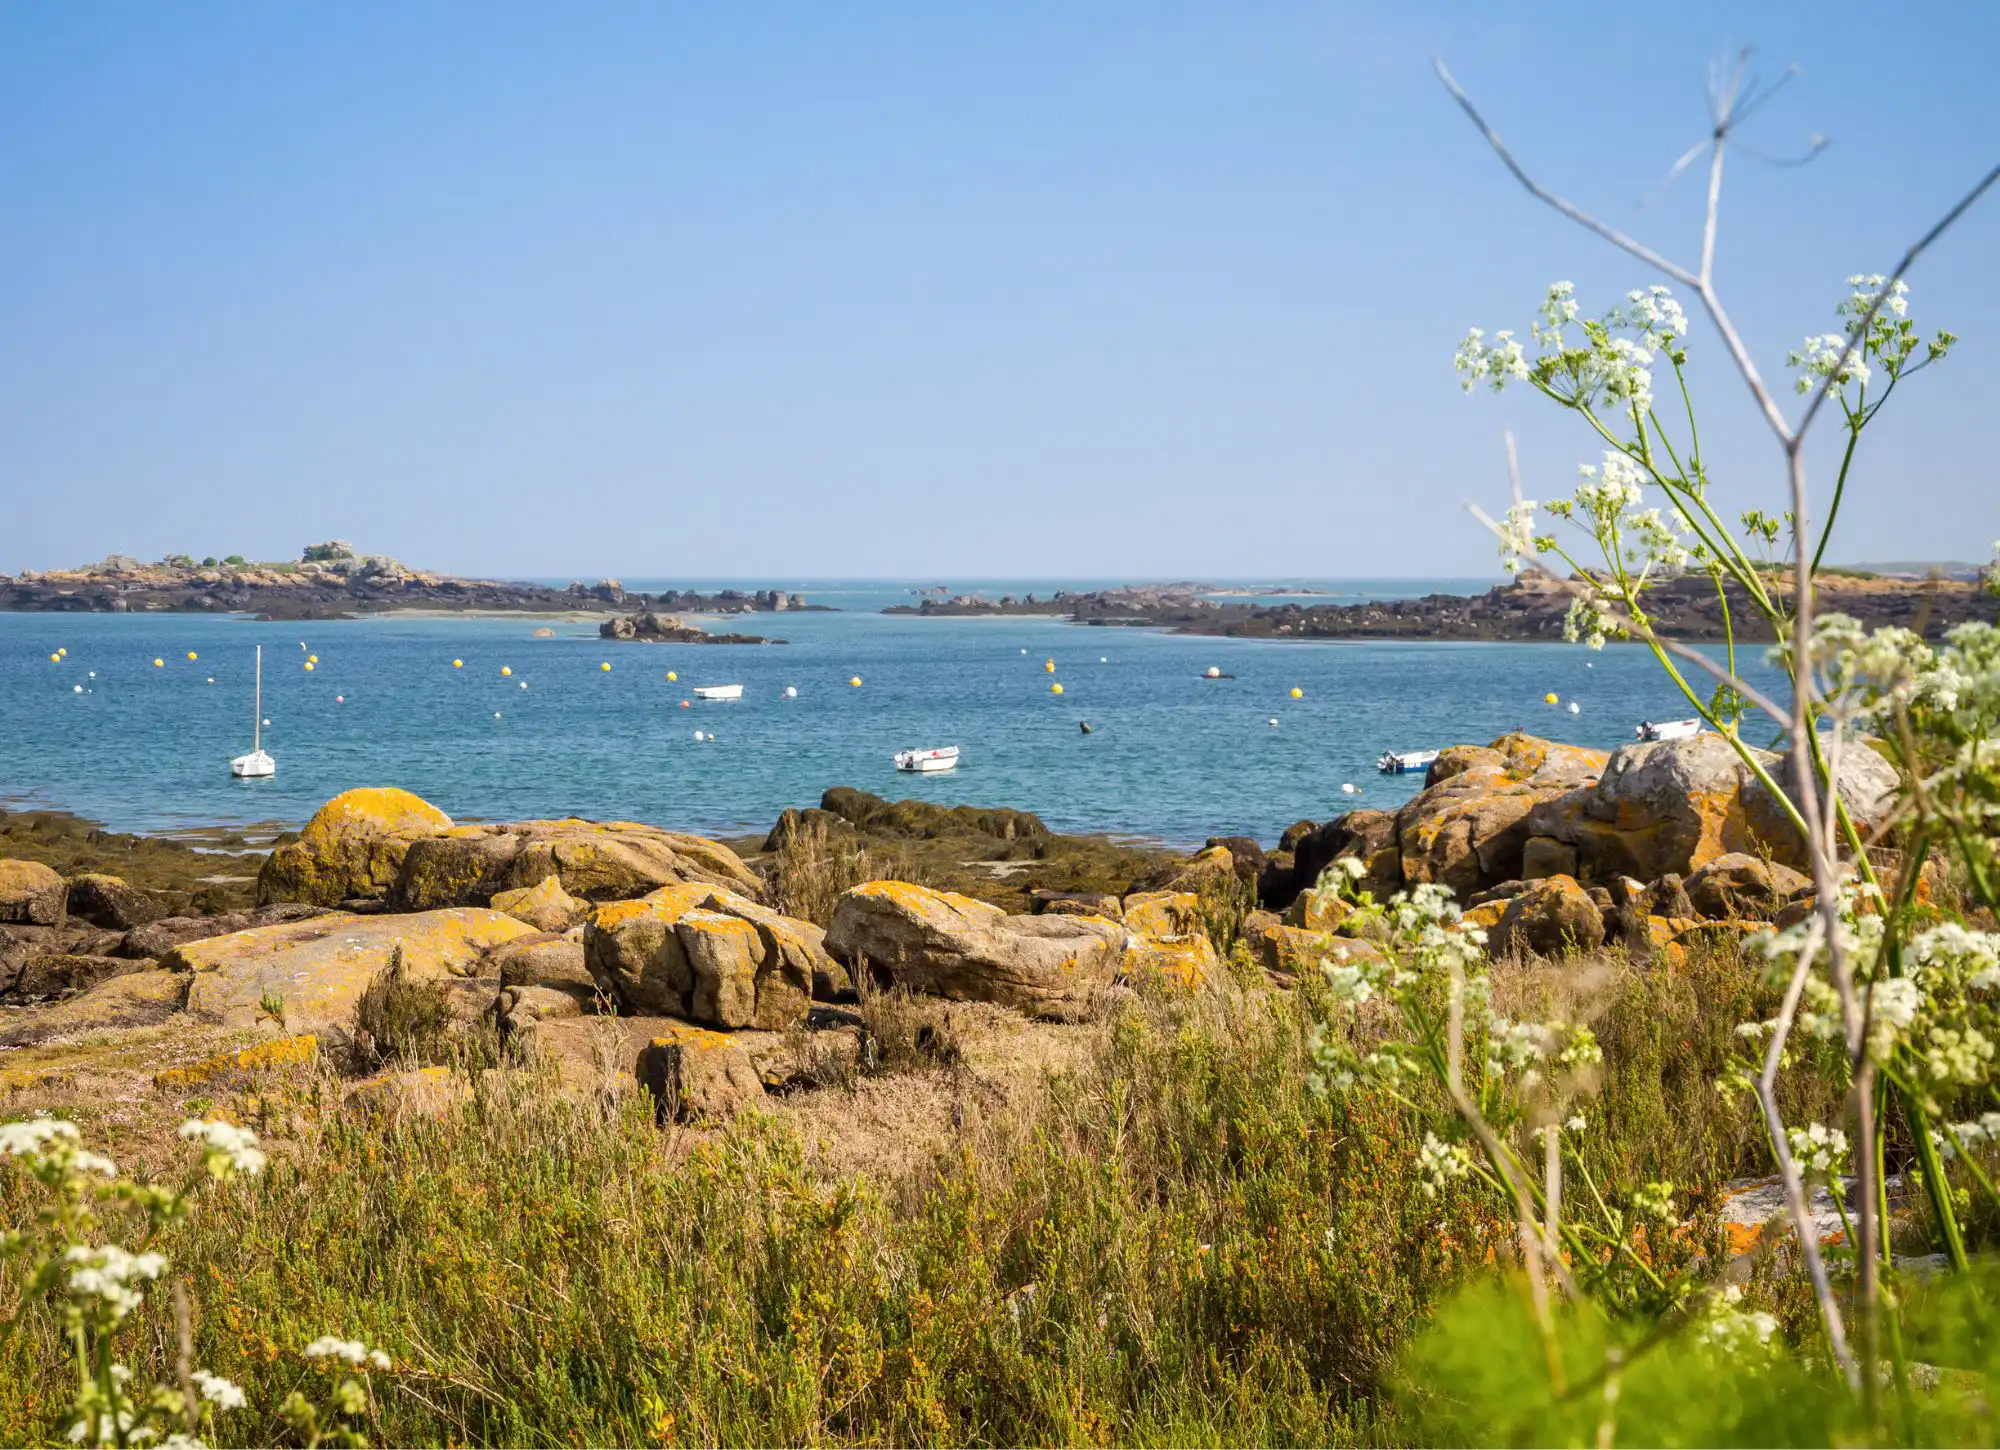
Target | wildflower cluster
(1880,336)
(97,1284)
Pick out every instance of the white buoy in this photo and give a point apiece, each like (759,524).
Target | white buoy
(211,679)
(93,674)
(77,688)
(496,714)
(791,692)
(267,724)
(1023,651)
(1274,722)
(1214,672)
(1104,659)
(1574,708)
(697,735)
(1348,787)
(711,735)
(524,684)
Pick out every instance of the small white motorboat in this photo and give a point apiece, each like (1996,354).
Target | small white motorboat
(258,763)
(1669,730)
(1405,762)
(718,692)
(945,757)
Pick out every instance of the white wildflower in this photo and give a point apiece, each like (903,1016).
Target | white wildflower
(218,1391)
(1817,358)
(230,1149)
(108,1275)
(1819,1149)
(31,1137)
(1442,1162)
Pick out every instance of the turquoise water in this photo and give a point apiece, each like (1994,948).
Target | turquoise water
(1172,755)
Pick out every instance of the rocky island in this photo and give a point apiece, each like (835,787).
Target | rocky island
(1530,607)
(651,627)
(332,580)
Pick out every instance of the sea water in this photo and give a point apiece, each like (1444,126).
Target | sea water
(1171,754)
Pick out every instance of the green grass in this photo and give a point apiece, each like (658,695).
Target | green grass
(1178,1240)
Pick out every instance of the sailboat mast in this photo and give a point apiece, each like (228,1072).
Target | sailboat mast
(257,721)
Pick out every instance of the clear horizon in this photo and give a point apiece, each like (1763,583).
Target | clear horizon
(1143,292)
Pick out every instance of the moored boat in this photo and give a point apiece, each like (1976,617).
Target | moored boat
(257,764)
(1405,762)
(1668,730)
(718,692)
(945,757)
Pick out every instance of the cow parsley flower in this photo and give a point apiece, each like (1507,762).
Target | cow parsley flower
(1817,359)
(1818,1149)
(218,1391)
(1734,1330)
(1516,532)
(109,1275)
(229,1150)
(348,1351)
(1442,1162)
(32,1137)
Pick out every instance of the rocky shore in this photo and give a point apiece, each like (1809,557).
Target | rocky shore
(723,973)
(1530,607)
(331,581)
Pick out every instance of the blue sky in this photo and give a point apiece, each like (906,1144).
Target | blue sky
(1134,289)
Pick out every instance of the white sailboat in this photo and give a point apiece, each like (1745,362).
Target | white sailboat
(257,763)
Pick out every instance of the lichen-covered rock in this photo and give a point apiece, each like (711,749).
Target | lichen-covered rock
(1369,836)
(546,959)
(1162,913)
(698,1075)
(1288,952)
(1552,916)
(31,893)
(157,938)
(1671,807)
(1470,826)
(1208,871)
(544,906)
(952,946)
(1318,910)
(1181,964)
(320,967)
(418,1092)
(1546,856)
(134,999)
(109,902)
(521,1009)
(1744,887)
(62,974)
(352,848)
(736,964)
(589,860)
(1042,901)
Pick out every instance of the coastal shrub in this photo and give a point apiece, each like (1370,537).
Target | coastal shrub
(901,1032)
(402,1019)
(812,867)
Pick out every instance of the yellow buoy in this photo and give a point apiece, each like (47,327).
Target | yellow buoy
(310,659)
(1049,665)
(1056,688)
(605,666)
(63,651)
(309,666)
(856,682)
(159,664)
(1549,698)
(506,669)
(191,654)
(458,664)
(1297,693)
(671,677)
(55,659)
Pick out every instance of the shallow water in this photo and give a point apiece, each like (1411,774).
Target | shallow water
(1172,755)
